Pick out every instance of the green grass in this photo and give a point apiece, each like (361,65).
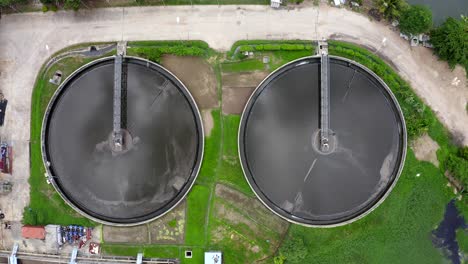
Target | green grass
(462,239)
(243,66)
(230,171)
(197,208)
(212,151)
(156,251)
(162,251)
(280,58)
(172,223)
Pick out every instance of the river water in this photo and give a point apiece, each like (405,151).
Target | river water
(444,235)
(441,9)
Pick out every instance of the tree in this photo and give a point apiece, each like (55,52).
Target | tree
(391,9)
(450,41)
(72,4)
(11,3)
(415,20)
(294,250)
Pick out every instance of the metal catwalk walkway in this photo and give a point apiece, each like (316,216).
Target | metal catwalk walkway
(324,97)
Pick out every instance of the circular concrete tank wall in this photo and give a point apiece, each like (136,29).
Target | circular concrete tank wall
(278,142)
(161,125)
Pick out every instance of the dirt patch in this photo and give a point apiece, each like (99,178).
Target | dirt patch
(252,207)
(132,235)
(237,88)
(425,148)
(243,224)
(235,99)
(208,122)
(243,79)
(170,228)
(197,75)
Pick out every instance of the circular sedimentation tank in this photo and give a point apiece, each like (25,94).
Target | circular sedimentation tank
(280,151)
(161,128)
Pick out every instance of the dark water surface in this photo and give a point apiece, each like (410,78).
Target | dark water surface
(281,160)
(445,234)
(441,9)
(154,174)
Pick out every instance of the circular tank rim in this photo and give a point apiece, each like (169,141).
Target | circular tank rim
(289,217)
(200,152)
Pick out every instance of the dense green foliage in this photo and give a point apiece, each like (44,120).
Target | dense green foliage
(72,4)
(271,45)
(67,4)
(450,41)
(153,50)
(458,166)
(4,3)
(391,9)
(462,239)
(294,250)
(463,152)
(416,19)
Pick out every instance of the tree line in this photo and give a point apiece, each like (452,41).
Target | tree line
(67,4)
(450,39)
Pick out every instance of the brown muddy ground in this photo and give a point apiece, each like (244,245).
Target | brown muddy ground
(197,75)
(237,88)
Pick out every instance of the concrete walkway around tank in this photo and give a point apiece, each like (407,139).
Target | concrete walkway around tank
(28,39)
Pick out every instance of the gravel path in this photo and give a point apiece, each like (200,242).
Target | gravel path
(27,40)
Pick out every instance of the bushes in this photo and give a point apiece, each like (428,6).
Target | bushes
(458,167)
(185,43)
(463,152)
(293,250)
(450,41)
(259,44)
(275,47)
(155,53)
(271,47)
(415,20)
(246,48)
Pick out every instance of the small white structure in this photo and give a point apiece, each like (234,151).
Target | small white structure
(213,258)
(275,3)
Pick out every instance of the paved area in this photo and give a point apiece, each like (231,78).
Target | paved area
(49,245)
(27,40)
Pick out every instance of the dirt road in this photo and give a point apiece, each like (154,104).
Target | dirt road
(27,40)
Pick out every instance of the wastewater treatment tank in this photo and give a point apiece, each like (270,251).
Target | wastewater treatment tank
(322,141)
(122,140)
